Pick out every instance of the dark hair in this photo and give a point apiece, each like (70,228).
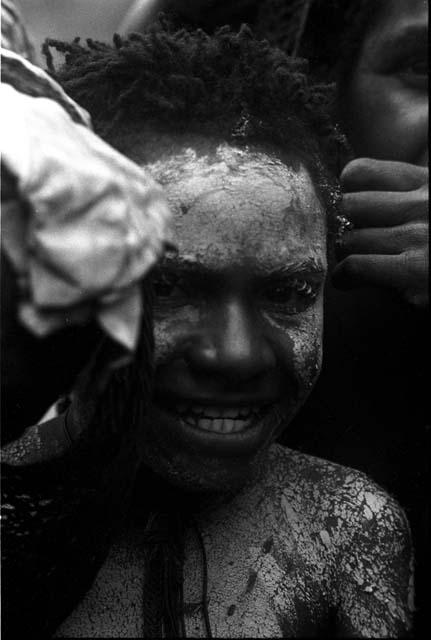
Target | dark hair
(334,33)
(327,32)
(227,84)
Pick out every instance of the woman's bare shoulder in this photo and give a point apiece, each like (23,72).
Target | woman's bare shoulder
(361,532)
(331,494)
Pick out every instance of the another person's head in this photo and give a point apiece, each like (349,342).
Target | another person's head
(240,140)
(377,52)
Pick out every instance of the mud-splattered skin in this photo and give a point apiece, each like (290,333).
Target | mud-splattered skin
(309,548)
(234,324)
(303,547)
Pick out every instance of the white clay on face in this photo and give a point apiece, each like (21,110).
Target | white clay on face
(237,205)
(234,195)
(244,219)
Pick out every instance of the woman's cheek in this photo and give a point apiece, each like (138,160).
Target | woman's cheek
(379,112)
(171,328)
(414,118)
(299,341)
(308,352)
(403,120)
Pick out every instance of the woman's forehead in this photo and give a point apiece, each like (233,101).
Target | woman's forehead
(236,204)
(186,168)
(401,15)
(234,201)
(182,161)
(251,182)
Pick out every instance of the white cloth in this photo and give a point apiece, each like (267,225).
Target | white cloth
(85,224)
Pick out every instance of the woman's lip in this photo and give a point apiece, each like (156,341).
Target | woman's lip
(166,399)
(217,419)
(168,426)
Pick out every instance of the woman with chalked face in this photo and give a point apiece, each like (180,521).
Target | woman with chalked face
(372,392)
(167,509)
(239,537)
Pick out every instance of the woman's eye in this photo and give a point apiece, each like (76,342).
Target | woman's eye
(420,67)
(414,72)
(167,286)
(292,297)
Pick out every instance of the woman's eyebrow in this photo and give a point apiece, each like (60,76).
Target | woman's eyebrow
(306,268)
(410,36)
(176,262)
(179,267)
(311,267)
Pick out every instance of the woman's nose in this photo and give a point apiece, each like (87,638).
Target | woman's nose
(232,344)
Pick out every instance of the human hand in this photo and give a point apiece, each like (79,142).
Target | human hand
(387,203)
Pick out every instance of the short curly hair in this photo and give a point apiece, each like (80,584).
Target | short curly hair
(326,32)
(228,84)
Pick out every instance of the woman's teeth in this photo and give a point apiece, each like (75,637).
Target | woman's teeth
(217,419)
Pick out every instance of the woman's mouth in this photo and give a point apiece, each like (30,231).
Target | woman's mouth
(223,428)
(215,419)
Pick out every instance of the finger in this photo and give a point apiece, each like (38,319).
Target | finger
(385,208)
(406,272)
(362,270)
(367,174)
(386,241)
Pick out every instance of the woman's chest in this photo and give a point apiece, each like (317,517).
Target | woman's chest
(250,583)
(240,578)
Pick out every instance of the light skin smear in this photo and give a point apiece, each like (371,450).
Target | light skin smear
(239,312)
(238,322)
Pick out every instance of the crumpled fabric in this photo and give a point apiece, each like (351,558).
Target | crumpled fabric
(81,224)
(30,79)
(13,33)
